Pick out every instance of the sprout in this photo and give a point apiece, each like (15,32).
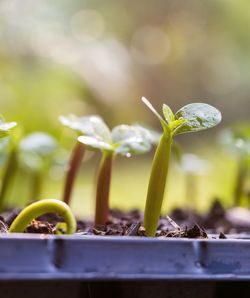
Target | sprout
(124,140)
(190,118)
(92,126)
(42,207)
(36,152)
(237,142)
(39,143)
(11,164)
(193,166)
(6,128)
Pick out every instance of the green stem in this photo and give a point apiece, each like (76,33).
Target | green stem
(103,188)
(36,185)
(240,181)
(157,183)
(191,190)
(42,207)
(8,176)
(72,169)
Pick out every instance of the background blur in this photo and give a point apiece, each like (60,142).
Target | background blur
(100,57)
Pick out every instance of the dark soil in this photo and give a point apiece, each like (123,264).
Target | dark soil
(180,224)
(119,224)
(217,220)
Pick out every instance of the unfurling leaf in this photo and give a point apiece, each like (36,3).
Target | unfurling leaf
(168,113)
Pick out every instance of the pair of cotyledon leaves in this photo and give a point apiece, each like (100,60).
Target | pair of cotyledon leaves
(135,139)
(36,147)
(33,147)
(192,117)
(38,142)
(123,139)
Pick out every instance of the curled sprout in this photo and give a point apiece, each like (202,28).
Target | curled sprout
(42,207)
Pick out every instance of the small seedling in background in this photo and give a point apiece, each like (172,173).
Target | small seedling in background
(6,128)
(190,118)
(42,207)
(11,163)
(36,152)
(237,142)
(123,140)
(92,126)
(193,167)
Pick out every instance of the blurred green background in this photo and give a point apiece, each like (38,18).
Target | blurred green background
(100,57)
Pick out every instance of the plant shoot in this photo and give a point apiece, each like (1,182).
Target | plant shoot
(190,118)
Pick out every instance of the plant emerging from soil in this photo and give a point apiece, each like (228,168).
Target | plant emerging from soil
(193,167)
(92,126)
(36,152)
(33,154)
(124,140)
(237,142)
(191,118)
(10,166)
(39,208)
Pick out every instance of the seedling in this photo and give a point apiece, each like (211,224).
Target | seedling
(124,140)
(92,126)
(5,131)
(6,128)
(237,142)
(193,167)
(42,207)
(36,153)
(190,118)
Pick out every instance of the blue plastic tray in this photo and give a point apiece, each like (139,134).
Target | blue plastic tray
(38,257)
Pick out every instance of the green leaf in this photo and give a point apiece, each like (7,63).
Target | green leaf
(130,140)
(236,141)
(168,113)
(5,128)
(192,164)
(133,146)
(198,116)
(153,110)
(94,143)
(92,126)
(177,124)
(31,161)
(149,134)
(125,132)
(40,143)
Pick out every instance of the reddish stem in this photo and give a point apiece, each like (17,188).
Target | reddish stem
(72,169)
(103,188)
